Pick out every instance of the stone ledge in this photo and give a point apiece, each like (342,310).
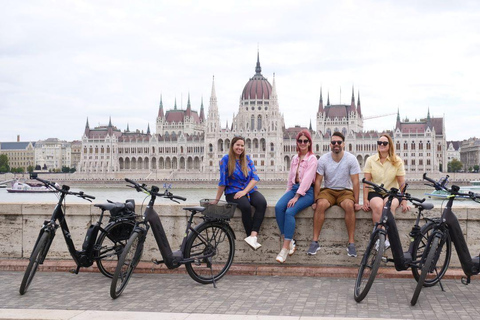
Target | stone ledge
(236,269)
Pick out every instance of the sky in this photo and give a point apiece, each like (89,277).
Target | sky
(62,62)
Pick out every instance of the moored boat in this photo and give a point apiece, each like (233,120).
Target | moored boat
(20,187)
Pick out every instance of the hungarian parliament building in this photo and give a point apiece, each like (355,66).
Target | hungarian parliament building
(188,144)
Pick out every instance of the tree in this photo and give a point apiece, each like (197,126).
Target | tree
(4,167)
(30,169)
(65,169)
(455,165)
(476,168)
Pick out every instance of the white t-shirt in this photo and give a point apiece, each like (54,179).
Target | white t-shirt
(336,175)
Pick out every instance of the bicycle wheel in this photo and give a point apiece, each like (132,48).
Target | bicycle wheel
(442,259)
(212,247)
(426,269)
(37,257)
(369,266)
(126,264)
(110,244)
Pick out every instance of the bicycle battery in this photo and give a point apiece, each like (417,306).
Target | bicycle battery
(90,238)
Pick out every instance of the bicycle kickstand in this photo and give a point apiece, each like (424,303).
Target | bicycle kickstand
(441,285)
(211,272)
(75,271)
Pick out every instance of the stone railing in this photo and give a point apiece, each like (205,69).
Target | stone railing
(20,224)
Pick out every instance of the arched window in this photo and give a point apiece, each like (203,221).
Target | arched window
(259,123)
(252,122)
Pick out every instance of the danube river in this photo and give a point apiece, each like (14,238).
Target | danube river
(193,195)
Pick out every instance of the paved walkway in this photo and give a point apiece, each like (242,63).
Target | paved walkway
(59,295)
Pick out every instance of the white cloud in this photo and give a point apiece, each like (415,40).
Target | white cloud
(61,62)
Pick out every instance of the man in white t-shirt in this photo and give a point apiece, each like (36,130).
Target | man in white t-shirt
(339,170)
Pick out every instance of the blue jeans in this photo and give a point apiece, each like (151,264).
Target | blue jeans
(286,216)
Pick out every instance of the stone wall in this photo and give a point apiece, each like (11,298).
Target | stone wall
(20,224)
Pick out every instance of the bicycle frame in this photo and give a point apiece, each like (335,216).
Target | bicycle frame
(402,260)
(172,259)
(449,223)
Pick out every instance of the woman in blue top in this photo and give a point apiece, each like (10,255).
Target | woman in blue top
(238,178)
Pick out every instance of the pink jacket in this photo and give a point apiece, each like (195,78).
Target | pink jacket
(306,173)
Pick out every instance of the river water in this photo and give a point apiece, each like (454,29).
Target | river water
(193,195)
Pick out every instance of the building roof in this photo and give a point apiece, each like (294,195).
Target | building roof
(338,111)
(421,126)
(22,145)
(179,116)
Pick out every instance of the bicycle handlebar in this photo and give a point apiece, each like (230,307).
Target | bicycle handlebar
(393,192)
(153,191)
(376,187)
(454,190)
(64,189)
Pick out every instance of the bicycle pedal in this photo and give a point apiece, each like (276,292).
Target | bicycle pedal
(73,271)
(157,262)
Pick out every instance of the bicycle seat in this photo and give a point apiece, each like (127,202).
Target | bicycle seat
(197,208)
(423,206)
(109,206)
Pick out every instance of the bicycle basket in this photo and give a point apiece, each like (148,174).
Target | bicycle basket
(123,210)
(221,210)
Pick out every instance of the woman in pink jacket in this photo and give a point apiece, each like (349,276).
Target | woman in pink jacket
(299,194)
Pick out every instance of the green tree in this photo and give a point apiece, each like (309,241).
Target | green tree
(65,169)
(30,169)
(476,167)
(455,165)
(4,167)
(72,170)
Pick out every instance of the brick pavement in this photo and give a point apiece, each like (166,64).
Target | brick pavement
(258,296)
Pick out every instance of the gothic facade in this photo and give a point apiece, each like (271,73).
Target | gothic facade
(187,144)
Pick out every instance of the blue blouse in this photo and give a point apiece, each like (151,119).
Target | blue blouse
(237,181)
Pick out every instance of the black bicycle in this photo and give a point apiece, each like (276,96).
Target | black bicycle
(207,250)
(374,253)
(101,245)
(446,228)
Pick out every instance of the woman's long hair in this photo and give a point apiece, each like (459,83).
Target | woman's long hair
(232,159)
(305,133)
(391,150)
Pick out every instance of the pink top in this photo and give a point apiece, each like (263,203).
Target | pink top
(306,173)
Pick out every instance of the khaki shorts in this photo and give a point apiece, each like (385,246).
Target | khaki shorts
(335,196)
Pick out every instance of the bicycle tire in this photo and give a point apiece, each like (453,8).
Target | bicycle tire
(210,238)
(126,264)
(425,269)
(110,244)
(444,256)
(369,266)
(38,254)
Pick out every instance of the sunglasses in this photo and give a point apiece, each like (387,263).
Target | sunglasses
(385,143)
(339,142)
(300,141)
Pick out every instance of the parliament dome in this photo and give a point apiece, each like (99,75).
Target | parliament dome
(258,86)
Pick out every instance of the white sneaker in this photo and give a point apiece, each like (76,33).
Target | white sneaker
(282,256)
(252,242)
(387,244)
(292,247)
